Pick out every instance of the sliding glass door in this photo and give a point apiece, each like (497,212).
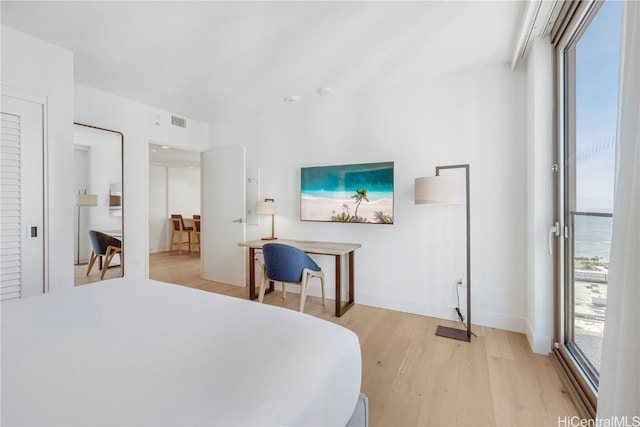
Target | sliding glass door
(588,57)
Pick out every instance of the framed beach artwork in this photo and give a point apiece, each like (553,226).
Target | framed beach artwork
(357,193)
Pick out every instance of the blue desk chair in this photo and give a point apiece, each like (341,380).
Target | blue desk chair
(287,264)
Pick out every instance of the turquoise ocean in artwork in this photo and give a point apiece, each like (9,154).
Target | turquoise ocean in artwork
(341,182)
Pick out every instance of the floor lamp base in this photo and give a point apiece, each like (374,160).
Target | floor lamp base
(456,334)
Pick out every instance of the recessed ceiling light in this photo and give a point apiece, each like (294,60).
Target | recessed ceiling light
(153,150)
(292,98)
(325,90)
(164,147)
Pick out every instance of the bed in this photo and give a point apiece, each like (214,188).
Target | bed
(148,353)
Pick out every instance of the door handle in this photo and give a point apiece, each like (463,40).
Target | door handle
(32,232)
(554,230)
(239,220)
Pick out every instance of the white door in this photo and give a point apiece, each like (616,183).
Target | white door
(22,198)
(223,215)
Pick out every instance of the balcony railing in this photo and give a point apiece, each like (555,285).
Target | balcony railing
(592,239)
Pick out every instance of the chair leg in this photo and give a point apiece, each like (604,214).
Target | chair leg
(303,291)
(195,243)
(171,244)
(284,290)
(91,262)
(263,286)
(322,284)
(107,260)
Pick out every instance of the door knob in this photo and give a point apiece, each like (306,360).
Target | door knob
(239,220)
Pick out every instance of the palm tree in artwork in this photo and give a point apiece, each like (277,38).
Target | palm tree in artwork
(361,194)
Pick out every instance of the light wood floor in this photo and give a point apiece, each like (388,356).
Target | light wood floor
(81,278)
(414,378)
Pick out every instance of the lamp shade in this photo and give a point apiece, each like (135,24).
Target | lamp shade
(438,190)
(84,199)
(266,208)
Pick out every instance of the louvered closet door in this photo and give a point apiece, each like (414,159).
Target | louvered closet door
(21,198)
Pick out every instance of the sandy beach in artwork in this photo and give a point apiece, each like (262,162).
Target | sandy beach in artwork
(320,209)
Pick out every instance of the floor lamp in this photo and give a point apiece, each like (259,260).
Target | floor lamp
(83,199)
(439,190)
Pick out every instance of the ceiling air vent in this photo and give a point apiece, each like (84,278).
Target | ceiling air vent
(179,121)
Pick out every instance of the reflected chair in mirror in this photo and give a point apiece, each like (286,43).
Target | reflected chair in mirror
(178,230)
(288,264)
(195,244)
(103,245)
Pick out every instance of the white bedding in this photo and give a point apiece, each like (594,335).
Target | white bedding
(124,353)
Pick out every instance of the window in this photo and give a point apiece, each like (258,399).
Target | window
(588,57)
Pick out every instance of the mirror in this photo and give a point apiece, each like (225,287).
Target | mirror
(115,199)
(98,202)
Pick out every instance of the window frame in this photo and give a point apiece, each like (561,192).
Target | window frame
(574,366)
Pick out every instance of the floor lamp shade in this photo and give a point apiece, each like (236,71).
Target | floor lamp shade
(438,190)
(83,199)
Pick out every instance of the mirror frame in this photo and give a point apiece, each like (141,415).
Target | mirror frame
(121,181)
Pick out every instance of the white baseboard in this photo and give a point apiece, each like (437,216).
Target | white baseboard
(539,344)
(483,318)
(479,317)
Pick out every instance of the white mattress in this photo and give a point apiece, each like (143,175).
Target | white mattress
(123,353)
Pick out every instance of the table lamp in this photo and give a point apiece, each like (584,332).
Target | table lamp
(268,207)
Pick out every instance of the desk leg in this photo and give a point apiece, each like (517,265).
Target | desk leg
(338,286)
(351,279)
(341,309)
(252,276)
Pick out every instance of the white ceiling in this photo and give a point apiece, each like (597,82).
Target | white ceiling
(213,61)
(163,155)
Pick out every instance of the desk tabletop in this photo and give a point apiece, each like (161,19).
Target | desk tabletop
(311,247)
(113,233)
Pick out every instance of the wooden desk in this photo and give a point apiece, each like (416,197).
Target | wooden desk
(319,248)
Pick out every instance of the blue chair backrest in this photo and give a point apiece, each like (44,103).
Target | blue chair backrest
(285,263)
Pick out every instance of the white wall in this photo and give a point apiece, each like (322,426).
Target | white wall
(540,304)
(476,117)
(36,66)
(138,124)
(184,192)
(171,191)
(158,210)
